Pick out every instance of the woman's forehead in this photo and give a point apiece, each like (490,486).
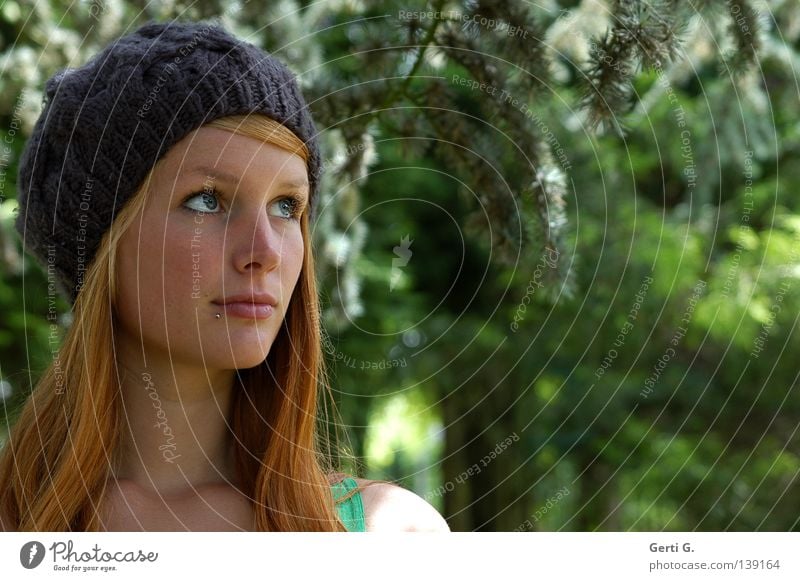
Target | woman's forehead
(221,156)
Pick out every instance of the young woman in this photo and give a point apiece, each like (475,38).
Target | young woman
(169,188)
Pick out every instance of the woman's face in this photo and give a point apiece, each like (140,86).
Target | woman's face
(222,219)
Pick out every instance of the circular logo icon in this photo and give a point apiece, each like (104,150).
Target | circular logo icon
(31,554)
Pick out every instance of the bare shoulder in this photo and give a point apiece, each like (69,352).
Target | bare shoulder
(392,508)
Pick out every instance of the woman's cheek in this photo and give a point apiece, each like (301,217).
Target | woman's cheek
(297,262)
(188,263)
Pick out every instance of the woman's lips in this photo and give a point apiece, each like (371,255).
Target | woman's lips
(248,310)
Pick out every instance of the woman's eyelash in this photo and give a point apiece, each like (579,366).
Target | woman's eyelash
(296,202)
(205,192)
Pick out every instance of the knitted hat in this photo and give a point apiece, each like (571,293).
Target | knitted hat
(105,124)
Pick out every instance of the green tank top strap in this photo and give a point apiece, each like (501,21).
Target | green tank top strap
(351,511)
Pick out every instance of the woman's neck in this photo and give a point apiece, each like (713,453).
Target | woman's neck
(175,426)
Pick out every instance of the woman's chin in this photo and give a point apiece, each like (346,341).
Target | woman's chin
(221,352)
(242,359)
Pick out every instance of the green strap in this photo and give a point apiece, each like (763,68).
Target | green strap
(351,511)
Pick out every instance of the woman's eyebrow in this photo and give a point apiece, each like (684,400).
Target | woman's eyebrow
(216,173)
(298,184)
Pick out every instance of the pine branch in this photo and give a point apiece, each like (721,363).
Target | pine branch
(744,28)
(645,33)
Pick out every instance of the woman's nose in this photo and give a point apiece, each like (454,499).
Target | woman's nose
(258,244)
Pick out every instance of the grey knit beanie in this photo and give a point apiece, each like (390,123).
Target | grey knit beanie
(105,124)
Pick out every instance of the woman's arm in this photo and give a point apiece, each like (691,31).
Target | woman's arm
(388,507)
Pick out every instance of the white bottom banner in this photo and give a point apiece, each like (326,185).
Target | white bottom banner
(497,556)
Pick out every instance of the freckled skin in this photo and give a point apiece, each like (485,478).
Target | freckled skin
(244,243)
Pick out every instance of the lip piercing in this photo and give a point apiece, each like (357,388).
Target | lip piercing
(218,315)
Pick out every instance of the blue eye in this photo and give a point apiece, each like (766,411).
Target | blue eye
(291,206)
(207,198)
